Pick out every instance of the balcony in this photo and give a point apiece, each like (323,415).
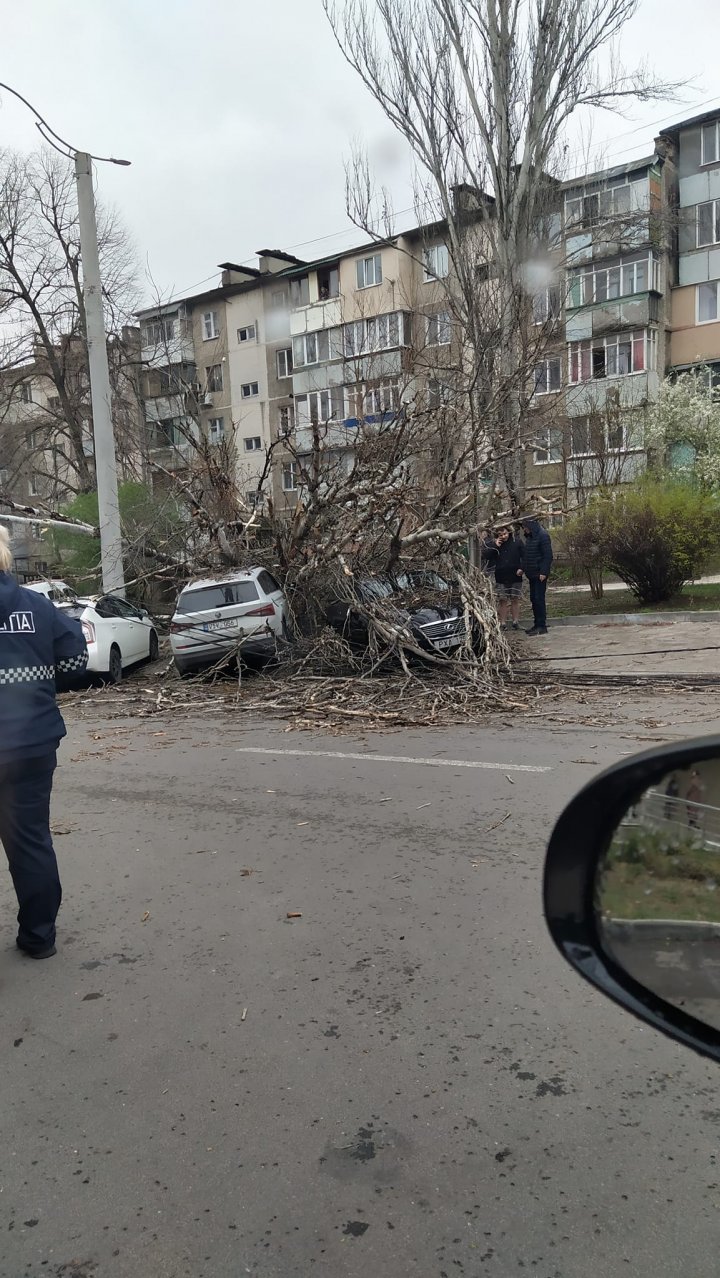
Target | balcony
(316,315)
(606,317)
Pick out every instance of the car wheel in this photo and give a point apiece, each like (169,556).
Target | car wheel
(115,669)
(154,646)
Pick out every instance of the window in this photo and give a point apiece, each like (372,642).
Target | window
(318,407)
(708,223)
(378,333)
(278,299)
(369,271)
(311,348)
(710,149)
(300,291)
(551,446)
(290,477)
(548,376)
(158,331)
(53,403)
(26,393)
(439,329)
(606,284)
(286,419)
(591,437)
(613,356)
(216,429)
(436,262)
(268,583)
(381,399)
(249,390)
(546,305)
(166,433)
(284,362)
(707,302)
(247,334)
(210,326)
(214,380)
(253,443)
(34,484)
(583,212)
(438,393)
(211,598)
(328,281)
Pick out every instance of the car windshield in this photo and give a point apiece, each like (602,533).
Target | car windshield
(225,594)
(421,580)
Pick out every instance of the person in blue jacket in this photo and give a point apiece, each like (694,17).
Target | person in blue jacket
(41,650)
(537,561)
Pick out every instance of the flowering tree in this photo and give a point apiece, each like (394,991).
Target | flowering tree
(683,428)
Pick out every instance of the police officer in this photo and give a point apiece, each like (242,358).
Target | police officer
(41,650)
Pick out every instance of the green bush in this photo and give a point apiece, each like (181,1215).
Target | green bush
(654,534)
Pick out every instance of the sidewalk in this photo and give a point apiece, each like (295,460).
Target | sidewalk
(669,645)
(620,585)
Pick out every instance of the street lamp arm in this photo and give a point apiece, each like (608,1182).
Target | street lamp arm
(42,124)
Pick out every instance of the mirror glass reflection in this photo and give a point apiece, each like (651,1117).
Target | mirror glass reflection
(657,891)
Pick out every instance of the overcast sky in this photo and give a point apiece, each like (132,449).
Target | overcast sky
(238,117)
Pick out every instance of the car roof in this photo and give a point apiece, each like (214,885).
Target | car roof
(222,581)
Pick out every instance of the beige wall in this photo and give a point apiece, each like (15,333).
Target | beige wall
(691,343)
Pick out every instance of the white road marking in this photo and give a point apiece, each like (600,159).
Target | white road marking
(394,758)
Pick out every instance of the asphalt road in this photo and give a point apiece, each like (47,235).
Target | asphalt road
(405,1080)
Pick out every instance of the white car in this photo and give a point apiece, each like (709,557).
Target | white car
(58,591)
(117,634)
(218,617)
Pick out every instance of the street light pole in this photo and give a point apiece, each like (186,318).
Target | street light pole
(113,578)
(101,396)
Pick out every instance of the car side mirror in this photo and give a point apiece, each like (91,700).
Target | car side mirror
(632,889)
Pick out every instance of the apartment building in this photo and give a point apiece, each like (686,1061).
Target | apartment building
(695,326)
(292,347)
(46,439)
(612,297)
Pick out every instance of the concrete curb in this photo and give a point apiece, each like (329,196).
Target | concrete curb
(678,930)
(632,618)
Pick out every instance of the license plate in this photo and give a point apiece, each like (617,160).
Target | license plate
(220,625)
(448,641)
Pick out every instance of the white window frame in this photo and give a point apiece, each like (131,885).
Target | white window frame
(248,333)
(249,390)
(439,393)
(547,432)
(436,263)
(26,392)
(715,127)
(545,363)
(587,279)
(715,206)
(210,327)
(546,304)
(714,284)
(609,342)
(383,399)
(34,479)
(607,447)
(252,443)
(369,271)
(216,429)
(313,348)
(286,419)
(284,362)
(384,332)
(290,477)
(161,329)
(211,376)
(438,329)
(320,407)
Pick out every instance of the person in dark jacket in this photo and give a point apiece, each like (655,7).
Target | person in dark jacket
(41,650)
(508,577)
(537,561)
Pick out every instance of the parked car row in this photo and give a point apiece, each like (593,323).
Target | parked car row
(116,632)
(245,613)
